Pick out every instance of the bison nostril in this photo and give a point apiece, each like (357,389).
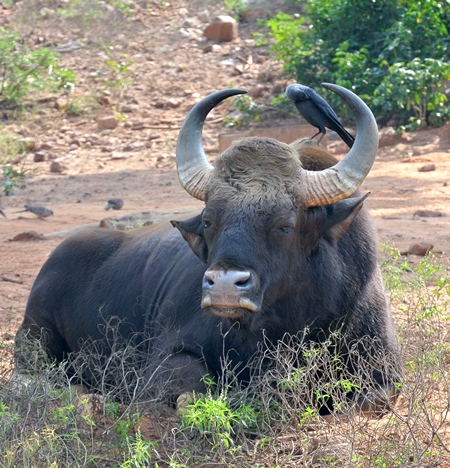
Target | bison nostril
(245,282)
(220,280)
(208,280)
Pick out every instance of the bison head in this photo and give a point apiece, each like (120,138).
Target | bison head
(269,208)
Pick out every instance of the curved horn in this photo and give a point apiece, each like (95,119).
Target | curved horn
(342,179)
(194,170)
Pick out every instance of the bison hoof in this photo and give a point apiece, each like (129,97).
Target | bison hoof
(184,400)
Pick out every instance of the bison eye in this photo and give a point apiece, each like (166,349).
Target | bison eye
(285,229)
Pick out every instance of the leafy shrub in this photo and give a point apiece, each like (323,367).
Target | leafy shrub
(23,71)
(391,53)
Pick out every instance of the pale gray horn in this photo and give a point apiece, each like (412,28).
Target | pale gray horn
(342,179)
(194,170)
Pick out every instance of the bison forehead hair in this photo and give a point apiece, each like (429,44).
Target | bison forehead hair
(262,167)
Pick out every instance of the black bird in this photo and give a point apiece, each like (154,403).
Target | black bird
(317,111)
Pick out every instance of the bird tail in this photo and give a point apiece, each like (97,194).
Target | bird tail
(347,137)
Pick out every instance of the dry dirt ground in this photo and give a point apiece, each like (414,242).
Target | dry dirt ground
(172,67)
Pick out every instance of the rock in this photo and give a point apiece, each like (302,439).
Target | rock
(45,146)
(222,28)
(422,248)
(427,168)
(12,279)
(428,214)
(108,122)
(69,47)
(56,167)
(105,101)
(116,155)
(203,15)
(256,92)
(129,108)
(61,103)
(277,89)
(39,156)
(173,103)
(137,125)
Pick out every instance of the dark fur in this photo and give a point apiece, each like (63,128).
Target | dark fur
(321,275)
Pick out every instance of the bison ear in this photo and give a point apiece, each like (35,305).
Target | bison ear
(341,215)
(192,231)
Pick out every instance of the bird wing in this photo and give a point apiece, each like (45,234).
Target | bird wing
(334,122)
(323,105)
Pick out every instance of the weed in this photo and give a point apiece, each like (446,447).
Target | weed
(214,419)
(139,455)
(237,7)
(11,148)
(24,71)
(82,105)
(12,178)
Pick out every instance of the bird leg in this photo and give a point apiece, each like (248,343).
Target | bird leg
(323,134)
(315,134)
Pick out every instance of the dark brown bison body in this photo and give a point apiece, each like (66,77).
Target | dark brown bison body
(276,251)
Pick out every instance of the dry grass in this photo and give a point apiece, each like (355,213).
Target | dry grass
(272,423)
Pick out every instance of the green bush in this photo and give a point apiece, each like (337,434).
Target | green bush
(23,71)
(394,54)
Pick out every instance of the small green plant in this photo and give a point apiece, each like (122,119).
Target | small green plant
(24,71)
(8,419)
(11,147)
(115,75)
(393,268)
(12,178)
(82,105)
(124,421)
(139,452)
(237,7)
(213,418)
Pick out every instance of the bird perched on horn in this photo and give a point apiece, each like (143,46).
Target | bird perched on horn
(317,112)
(39,210)
(114,203)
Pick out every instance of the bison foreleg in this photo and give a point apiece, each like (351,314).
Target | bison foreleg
(176,375)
